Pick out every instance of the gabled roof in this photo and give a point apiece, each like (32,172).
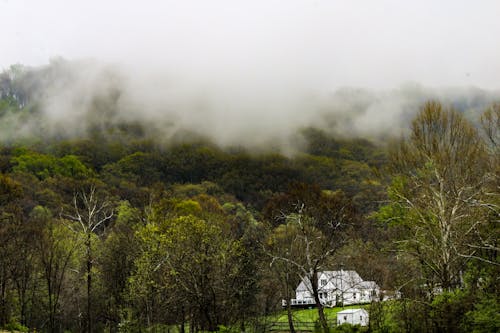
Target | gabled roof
(338,280)
(303,287)
(351,277)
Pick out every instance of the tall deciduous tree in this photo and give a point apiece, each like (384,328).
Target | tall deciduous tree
(285,252)
(117,260)
(441,170)
(195,261)
(91,212)
(57,250)
(490,121)
(10,194)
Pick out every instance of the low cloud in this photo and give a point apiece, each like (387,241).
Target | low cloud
(254,111)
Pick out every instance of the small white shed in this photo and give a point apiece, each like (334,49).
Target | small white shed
(353,317)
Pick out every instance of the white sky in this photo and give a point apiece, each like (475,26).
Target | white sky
(320,44)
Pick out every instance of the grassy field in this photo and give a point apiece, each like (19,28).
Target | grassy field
(311,315)
(304,319)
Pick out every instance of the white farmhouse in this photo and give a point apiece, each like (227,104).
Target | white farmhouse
(353,317)
(335,288)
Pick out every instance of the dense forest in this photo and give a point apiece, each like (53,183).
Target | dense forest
(117,228)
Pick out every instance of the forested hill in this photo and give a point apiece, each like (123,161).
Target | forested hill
(253,178)
(112,222)
(132,155)
(227,199)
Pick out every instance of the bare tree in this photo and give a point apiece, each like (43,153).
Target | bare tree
(91,212)
(318,241)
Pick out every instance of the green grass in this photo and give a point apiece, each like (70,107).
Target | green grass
(311,315)
(304,319)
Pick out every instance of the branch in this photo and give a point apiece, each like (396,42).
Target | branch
(480,259)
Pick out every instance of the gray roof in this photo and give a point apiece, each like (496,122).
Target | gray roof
(340,279)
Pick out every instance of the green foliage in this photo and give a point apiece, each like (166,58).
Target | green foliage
(10,190)
(394,213)
(126,214)
(448,310)
(485,317)
(187,207)
(193,260)
(127,323)
(95,152)
(44,166)
(16,327)
(190,190)
(144,167)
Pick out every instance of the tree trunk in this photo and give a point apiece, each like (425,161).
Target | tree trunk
(289,315)
(89,282)
(242,325)
(319,306)
(289,309)
(192,325)
(51,299)
(182,328)
(3,297)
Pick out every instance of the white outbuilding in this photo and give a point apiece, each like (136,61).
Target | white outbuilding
(353,317)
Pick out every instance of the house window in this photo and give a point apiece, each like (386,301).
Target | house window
(360,318)
(323,283)
(354,295)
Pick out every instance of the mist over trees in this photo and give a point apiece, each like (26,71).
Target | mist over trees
(68,99)
(118,220)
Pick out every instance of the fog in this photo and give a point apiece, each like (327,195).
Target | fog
(252,72)
(71,97)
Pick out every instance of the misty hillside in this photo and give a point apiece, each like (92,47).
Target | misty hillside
(144,213)
(74,99)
